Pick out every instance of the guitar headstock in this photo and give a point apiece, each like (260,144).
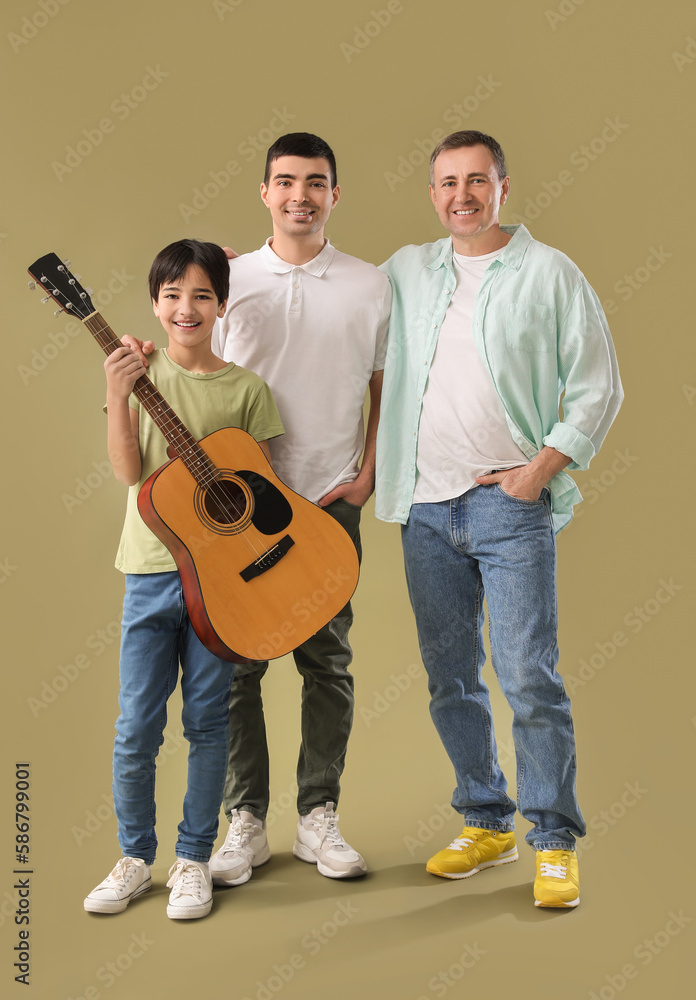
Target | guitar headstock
(54,278)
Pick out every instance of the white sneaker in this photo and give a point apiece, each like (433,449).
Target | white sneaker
(129,879)
(245,847)
(192,890)
(319,842)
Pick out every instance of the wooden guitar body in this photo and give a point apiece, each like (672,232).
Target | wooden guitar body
(262,568)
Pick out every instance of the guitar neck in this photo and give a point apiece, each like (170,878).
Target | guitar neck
(176,433)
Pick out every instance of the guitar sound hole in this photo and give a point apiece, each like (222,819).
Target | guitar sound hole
(225,502)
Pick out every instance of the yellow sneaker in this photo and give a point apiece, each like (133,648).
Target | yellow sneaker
(473,850)
(557,882)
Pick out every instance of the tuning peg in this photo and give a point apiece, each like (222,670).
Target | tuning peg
(31,285)
(45,299)
(57,312)
(90,291)
(66,262)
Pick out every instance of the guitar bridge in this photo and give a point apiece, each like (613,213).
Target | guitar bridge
(268,559)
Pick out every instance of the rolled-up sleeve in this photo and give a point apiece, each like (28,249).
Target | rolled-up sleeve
(589,374)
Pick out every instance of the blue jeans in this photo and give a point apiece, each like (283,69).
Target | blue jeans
(156,636)
(486,541)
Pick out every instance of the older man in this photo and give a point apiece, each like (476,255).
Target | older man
(488,327)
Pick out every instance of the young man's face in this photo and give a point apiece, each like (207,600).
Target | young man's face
(467,194)
(299,194)
(188,308)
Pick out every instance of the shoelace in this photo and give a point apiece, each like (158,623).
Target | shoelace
(186,879)
(459,843)
(238,836)
(553,871)
(328,830)
(125,867)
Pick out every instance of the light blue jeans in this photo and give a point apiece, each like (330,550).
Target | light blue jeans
(455,551)
(156,637)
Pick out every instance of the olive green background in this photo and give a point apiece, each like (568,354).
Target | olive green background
(210,86)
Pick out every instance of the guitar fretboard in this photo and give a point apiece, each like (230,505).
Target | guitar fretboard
(175,432)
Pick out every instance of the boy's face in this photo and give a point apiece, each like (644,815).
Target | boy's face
(299,194)
(188,308)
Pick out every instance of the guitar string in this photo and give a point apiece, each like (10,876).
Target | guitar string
(167,425)
(174,430)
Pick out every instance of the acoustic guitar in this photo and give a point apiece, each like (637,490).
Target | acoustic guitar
(262,568)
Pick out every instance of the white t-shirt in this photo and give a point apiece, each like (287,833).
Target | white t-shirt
(463,430)
(315,333)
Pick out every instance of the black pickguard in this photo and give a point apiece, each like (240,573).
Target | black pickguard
(272,512)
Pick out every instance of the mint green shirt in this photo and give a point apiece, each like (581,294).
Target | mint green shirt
(540,331)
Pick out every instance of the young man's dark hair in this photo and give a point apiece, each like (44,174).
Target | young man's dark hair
(171,264)
(301,144)
(470,138)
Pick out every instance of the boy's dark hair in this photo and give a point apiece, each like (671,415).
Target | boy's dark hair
(171,264)
(470,138)
(300,144)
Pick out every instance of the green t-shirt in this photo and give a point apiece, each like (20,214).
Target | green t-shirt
(230,397)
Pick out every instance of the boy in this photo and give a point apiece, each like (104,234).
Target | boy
(189,283)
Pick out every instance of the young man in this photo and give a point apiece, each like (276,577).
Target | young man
(188,284)
(471,450)
(312,322)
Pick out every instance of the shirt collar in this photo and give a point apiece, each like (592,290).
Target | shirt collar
(316,266)
(512,253)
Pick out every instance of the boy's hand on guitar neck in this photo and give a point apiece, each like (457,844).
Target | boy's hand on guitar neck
(123,368)
(142,348)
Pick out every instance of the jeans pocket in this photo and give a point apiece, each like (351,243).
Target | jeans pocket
(529,503)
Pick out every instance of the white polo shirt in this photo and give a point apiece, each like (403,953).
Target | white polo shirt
(315,333)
